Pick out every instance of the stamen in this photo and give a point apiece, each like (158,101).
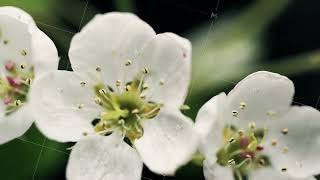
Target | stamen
(285,150)
(252,125)
(18,102)
(82,83)
(97,100)
(285,131)
(232,140)
(243,105)
(142,96)
(23,52)
(145,86)
(118,83)
(145,70)
(29,81)
(80,106)
(231,162)
(128,87)
(274,142)
(128,63)
(241,133)
(98,69)
(23,66)
(161,82)
(235,113)
(102,91)
(262,162)
(84,133)
(271,113)
(284,169)
(135,111)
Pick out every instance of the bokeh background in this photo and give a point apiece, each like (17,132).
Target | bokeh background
(230,40)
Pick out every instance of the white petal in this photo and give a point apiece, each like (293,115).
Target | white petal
(269,173)
(104,158)
(209,124)
(16,124)
(168,142)
(302,142)
(263,93)
(108,41)
(17,13)
(44,53)
(64,110)
(168,59)
(213,171)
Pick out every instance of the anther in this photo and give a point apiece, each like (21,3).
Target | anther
(243,105)
(102,91)
(145,70)
(97,100)
(98,69)
(5,42)
(262,162)
(248,156)
(285,131)
(284,169)
(235,113)
(28,81)
(142,96)
(252,125)
(145,86)
(232,162)
(128,63)
(17,102)
(23,52)
(274,142)
(135,111)
(285,150)
(82,83)
(128,87)
(80,106)
(118,83)
(271,113)
(161,82)
(241,133)
(84,133)
(23,66)
(231,140)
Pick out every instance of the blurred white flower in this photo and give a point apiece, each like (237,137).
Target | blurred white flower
(254,132)
(25,54)
(127,81)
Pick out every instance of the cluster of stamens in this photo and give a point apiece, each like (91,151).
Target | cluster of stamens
(15,85)
(125,107)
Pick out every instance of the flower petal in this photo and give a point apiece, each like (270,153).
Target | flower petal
(107,42)
(298,149)
(104,158)
(209,125)
(213,171)
(63,108)
(44,53)
(269,173)
(18,14)
(168,60)
(168,142)
(263,95)
(16,124)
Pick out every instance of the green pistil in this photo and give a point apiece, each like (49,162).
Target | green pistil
(124,111)
(242,151)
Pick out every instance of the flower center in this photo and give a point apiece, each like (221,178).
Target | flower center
(242,150)
(15,86)
(124,110)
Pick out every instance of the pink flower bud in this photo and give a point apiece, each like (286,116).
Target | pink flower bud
(14,82)
(7,99)
(9,65)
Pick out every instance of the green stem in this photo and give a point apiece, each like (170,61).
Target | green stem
(124,5)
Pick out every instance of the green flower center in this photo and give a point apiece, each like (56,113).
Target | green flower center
(242,150)
(15,86)
(124,111)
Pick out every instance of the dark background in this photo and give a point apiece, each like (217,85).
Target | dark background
(284,38)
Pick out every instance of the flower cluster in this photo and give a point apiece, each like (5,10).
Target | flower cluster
(122,106)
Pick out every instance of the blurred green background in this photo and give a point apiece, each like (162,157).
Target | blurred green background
(230,41)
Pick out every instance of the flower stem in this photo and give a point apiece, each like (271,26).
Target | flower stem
(124,5)
(197,159)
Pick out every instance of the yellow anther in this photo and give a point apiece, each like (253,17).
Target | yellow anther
(274,142)
(284,169)
(102,91)
(231,140)
(135,111)
(285,150)
(128,62)
(128,88)
(145,86)
(82,83)
(261,162)
(241,133)
(231,162)
(84,133)
(252,125)
(161,82)
(17,102)
(235,113)
(118,83)
(142,96)
(285,131)
(97,100)
(145,70)
(98,69)
(23,66)
(29,81)
(80,106)
(23,52)
(271,113)
(243,105)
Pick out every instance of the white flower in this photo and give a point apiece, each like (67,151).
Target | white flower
(25,54)
(255,132)
(127,81)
